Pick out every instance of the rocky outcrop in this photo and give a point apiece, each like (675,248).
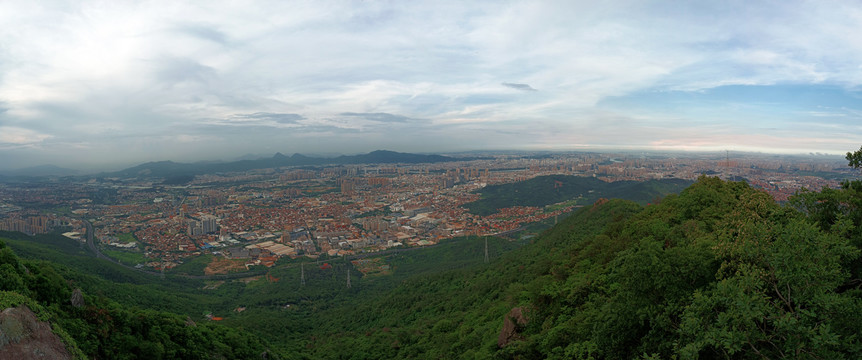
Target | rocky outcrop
(23,336)
(514,321)
(77,299)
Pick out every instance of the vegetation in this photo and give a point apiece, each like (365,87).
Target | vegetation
(126,256)
(98,327)
(545,190)
(193,266)
(126,238)
(718,271)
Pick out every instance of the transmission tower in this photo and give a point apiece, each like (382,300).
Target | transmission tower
(348,277)
(302,274)
(486,250)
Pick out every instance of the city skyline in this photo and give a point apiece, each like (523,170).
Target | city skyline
(89,84)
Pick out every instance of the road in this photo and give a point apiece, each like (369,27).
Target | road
(91,243)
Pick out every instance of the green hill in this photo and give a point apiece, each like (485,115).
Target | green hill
(718,271)
(98,327)
(551,189)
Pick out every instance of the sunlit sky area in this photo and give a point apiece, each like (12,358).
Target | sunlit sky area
(90,83)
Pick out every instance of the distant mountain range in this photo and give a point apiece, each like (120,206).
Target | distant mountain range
(169,169)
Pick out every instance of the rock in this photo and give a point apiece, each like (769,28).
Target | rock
(514,321)
(77,298)
(24,337)
(190,322)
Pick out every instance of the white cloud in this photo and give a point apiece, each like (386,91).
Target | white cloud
(142,69)
(19,136)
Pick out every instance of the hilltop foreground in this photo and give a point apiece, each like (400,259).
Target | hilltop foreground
(719,271)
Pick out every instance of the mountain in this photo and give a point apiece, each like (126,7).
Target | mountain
(392,157)
(89,325)
(718,271)
(166,169)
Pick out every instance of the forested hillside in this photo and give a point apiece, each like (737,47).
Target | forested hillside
(99,328)
(550,189)
(719,271)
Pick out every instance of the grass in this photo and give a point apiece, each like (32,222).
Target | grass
(193,266)
(127,238)
(562,205)
(126,257)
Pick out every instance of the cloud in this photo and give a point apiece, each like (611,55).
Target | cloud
(328,129)
(522,87)
(203,32)
(114,73)
(278,118)
(179,70)
(379,117)
(19,136)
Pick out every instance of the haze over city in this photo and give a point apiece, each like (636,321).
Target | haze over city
(101,84)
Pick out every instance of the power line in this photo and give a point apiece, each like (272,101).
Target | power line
(347,261)
(486,250)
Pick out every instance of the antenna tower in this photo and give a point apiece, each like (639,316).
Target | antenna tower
(486,250)
(302,274)
(348,277)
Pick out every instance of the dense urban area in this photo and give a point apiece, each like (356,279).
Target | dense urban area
(258,216)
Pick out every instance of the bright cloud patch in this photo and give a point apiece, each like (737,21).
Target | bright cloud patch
(422,75)
(20,136)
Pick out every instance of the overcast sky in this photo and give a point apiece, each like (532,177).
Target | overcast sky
(84,83)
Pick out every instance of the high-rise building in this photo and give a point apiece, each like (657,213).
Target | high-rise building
(208,224)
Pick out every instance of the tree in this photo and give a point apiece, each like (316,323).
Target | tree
(855,158)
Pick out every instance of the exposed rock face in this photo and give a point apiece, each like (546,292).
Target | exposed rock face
(23,336)
(514,320)
(77,298)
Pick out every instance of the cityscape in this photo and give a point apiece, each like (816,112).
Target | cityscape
(256,217)
(430,179)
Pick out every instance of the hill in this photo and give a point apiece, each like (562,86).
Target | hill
(92,326)
(545,190)
(170,169)
(718,271)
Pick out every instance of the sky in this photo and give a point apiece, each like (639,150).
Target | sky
(114,83)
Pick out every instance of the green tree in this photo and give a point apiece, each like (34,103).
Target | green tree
(855,158)
(777,293)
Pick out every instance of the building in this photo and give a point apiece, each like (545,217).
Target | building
(209,225)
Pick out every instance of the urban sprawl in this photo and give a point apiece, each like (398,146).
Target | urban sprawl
(260,216)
